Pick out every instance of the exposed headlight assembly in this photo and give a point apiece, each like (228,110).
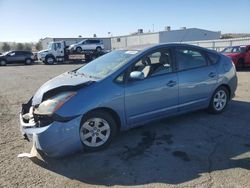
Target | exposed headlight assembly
(49,106)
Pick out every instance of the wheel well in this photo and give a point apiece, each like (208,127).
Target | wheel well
(2,59)
(111,112)
(241,60)
(50,55)
(228,89)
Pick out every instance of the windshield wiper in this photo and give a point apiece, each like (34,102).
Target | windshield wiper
(95,77)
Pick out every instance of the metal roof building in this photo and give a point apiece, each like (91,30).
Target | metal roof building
(167,36)
(140,38)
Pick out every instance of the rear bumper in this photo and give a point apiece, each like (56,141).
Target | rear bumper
(56,139)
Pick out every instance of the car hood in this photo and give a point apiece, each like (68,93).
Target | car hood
(68,81)
(231,54)
(43,51)
(72,45)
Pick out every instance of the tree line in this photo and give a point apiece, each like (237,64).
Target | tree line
(21,46)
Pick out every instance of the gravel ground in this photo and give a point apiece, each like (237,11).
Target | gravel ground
(192,150)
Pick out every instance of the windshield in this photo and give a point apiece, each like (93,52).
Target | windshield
(5,53)
(81,41)
(106,64)
(235,49)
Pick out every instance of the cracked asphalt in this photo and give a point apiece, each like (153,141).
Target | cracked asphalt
(192,150)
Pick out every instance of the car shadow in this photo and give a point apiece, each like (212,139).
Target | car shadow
(171,151)
(245,69)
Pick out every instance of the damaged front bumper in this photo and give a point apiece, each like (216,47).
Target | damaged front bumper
(55,139)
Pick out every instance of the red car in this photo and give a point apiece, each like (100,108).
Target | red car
(240,55)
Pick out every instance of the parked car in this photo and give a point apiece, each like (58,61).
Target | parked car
(88,44)
(87,107)
(240,55)
(17,57)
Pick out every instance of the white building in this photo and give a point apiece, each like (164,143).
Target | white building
(140,38)
(69,41)
(167,36)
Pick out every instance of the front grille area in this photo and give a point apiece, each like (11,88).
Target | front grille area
(42,120)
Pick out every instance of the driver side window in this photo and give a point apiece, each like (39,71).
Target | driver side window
(12,53)
(153,64)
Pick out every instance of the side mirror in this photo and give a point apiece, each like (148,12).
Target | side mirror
(136,75)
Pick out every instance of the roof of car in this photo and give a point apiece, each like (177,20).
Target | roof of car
(148,46)
(237,46)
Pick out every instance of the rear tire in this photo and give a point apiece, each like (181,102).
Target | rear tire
(3,62)
(219,100)
(78,49)
(98,49)
(240,64)
(97,130)
(28,61)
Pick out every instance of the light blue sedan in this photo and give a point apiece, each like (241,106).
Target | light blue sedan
(87,107)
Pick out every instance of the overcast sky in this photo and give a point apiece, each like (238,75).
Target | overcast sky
(30,20)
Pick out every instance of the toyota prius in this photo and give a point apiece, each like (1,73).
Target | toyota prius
(87,107)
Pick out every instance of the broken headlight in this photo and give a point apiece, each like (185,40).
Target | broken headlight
(49,106)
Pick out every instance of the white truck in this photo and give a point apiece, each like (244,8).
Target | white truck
(59,52)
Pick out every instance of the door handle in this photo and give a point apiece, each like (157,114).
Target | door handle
(212,74)
(171,83)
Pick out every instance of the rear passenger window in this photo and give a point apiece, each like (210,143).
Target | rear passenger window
(189,59)
(94,41)
(213,58)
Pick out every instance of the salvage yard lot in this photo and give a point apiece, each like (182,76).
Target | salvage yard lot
(196,149)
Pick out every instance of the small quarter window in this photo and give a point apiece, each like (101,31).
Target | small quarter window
(120,79)
(213,58)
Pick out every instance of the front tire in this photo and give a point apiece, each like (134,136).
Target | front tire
(78,49)
(97,130)
(240,64)
(49,60)
(3,62)
(219,100)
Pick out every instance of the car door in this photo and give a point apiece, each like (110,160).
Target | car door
(93,44)
(12,57)
(157,94)
(21,56)
(58,50)
(197,78)
(247,56)
(86,45)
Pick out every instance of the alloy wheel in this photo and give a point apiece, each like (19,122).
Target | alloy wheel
(95,132)
(220,100)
